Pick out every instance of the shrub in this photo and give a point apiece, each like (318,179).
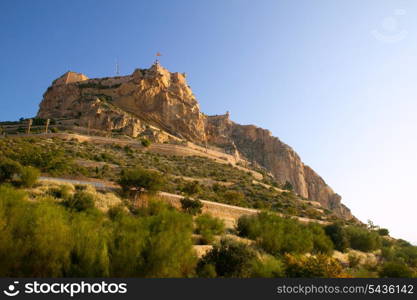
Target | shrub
(276,235)
(230,259)
(8,169)
(208,227)
(234,198)
(321,242)
(362,239)
(268,267)
(337,234)
(145,142)
(395,269)
(62,192)
(288,186)
(140,180)
(81,201)
(29,176)
(313,266)
(383,231)
(207,271)
(192,207)
(191,188)
(42,239)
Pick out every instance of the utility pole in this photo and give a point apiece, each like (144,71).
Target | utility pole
(47,125)
(30,121)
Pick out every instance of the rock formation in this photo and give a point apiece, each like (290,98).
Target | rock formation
(157,97)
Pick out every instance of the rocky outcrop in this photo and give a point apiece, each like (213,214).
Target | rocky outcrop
(258,145)
(155,97)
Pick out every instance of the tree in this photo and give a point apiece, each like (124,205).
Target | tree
(139,180)
(192,207)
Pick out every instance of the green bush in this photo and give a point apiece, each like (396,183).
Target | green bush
(43,239)
(208,226)
(313,266)
(29,176)
(190,206)
(9,169)
(321,242)
(191,188)
(288,186)
(145,142)
(362,239)
(383,232)
(338,235)
(395,269)
(277,235)
(230,259)
(267,267)
(81,201)
(140,180)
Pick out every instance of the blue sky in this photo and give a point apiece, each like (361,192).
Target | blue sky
(334,80)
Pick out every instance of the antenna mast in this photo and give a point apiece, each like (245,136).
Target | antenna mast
(117,68)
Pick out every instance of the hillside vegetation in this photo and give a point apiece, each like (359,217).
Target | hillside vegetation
(64,230)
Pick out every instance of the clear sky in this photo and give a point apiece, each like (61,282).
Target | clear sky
(336,80)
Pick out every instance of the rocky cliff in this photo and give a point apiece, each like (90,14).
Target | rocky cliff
(157,97)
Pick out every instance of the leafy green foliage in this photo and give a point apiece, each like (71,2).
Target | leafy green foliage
(288,186)
(8,169)
(44,239)
(29,176)
(191,188)
(267,267)
(140,179)
(395,269)
(383,231)
(145,142)
(363,239)
(190,206)
(337,234)
(313,266)
(277,235)
(81,201)
(208,227)
(229,259)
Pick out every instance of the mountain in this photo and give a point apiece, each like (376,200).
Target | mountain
(160,104)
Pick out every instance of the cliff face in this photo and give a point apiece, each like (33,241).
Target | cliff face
(163,99)
(257,144)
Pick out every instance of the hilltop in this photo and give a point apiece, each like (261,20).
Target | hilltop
(159,105)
